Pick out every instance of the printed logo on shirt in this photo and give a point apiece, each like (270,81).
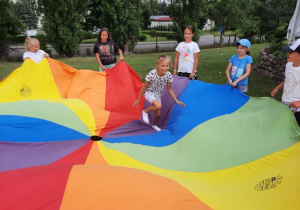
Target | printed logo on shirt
(240,72)
(290,82)
(233,70)
(185,53)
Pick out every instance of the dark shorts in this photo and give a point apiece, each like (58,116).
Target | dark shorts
(182,74)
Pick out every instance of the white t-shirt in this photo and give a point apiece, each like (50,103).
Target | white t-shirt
(36,57)
(157,83)
(186,56)
(291,89)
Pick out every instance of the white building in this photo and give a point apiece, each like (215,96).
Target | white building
(208,25)
(165,20)
(160,20)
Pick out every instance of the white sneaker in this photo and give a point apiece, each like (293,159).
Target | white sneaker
(145,117)
(156,128)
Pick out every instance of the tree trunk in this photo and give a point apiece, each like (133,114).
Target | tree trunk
(222,32)
(126,47)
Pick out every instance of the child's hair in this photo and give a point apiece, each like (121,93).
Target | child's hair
(30,41)
(100,32)
(162,58)
(191,28)
(247,52)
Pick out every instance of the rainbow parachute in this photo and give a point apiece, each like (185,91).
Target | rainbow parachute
(224,150)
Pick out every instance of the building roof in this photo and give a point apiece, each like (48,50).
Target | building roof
(160,18)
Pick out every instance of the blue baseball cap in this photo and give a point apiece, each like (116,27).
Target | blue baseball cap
(243,42)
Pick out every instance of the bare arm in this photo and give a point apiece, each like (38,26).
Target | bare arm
(277,88)
(176,63)
(143,89)
(228,73)
(196,61)
(121,55)
(99,61)
(170,90)
(247,73)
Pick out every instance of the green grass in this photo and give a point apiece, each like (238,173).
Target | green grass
(211,68)
(149,39)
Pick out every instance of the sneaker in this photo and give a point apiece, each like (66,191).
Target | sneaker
(145,117)
(156,128)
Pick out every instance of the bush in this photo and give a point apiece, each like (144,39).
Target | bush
(17,39)
(159,33)
(275,39)
(89,35)
(152,33)
(161,28)
(88,51)
(143,37)
(170,36)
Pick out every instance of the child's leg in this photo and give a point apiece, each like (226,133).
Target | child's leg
(156,105)
(156,116)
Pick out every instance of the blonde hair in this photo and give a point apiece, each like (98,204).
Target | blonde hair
(30,41)
(162,58)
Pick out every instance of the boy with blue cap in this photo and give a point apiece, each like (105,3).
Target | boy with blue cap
(291,84)
(239,66)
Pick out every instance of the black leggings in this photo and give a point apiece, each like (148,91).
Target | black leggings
(297,116)
(182,74)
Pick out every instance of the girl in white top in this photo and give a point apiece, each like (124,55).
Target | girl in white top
(187,55)
(155,82)
(33,52)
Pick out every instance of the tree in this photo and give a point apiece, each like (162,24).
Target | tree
(26,12)
(146,14)
(93,16)
(234,14)
(123,18)
(187,12)
(273,13)
(9,25)
(63,22)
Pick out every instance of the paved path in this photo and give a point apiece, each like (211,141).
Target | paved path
(205,41)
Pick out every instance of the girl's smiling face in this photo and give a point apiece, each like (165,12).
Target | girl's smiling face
(104,36)
(188,35)
(163,67)
(241,50)
(34,47)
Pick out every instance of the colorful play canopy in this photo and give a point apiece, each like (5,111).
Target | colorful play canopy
(224,150)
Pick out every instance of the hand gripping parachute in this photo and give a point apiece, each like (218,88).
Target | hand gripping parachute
(224,150)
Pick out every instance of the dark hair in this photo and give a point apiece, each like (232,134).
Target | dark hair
(191,28)
(100,32)
(247,52)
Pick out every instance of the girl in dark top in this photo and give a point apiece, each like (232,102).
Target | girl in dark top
(106,50)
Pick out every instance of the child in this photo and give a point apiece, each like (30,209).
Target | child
(105,50)
(187,55)
(240,66)
(291,84)
(155,82)
(33,52)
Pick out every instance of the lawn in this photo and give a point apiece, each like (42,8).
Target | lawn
(149,39)
(211,68)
